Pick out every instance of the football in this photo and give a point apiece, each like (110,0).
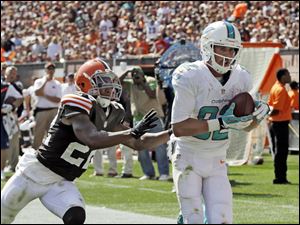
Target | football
(244,104)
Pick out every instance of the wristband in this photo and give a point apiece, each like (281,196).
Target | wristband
(213,125)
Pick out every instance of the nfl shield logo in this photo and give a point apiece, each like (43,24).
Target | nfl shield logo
(223,91)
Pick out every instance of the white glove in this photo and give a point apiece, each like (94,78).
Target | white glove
(262,109)
(6,108)
(229,120)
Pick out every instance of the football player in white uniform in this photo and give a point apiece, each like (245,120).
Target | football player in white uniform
(202,90)
(88,120)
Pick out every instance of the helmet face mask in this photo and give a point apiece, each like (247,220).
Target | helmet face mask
(95,78)
(106,85)
(220,34)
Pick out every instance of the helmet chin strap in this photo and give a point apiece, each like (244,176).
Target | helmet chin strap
(103,102)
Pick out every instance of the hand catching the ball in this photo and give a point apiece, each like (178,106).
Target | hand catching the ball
(262,109)
(229,120)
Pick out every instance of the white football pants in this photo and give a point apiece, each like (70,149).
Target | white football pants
(20,190)
(195,177)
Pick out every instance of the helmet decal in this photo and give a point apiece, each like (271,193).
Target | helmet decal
(230,30)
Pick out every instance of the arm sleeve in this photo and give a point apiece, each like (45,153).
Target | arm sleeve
(37,84)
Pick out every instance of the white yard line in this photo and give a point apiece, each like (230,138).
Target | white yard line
(256,203)
(123,186)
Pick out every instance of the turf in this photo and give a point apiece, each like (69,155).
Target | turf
(255,199)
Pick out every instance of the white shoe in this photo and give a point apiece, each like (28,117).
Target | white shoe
(2,175)
(146,177)
(164,177)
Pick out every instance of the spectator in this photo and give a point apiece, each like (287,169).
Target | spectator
(127,152)
(37,48)
(245,34)
(48,94)
(142,47)
(271,19)
(3,69)
(14,142)
(69,86)
(7,91)
(54,49)
(143,98)
(280,117)
(98,162)
(105,26)
(160,45)
(294,95)
(239,12)
(152,29)
(30,98)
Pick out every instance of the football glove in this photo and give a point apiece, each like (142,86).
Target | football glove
(229,120)
(144,125)
(6,108)
(262,109)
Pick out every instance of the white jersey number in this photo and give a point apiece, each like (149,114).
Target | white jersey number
(74,146)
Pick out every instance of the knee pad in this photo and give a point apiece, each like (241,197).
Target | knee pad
(74,215)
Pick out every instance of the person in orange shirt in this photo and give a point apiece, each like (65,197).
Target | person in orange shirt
(240,10)
(280,117)
(294,95)
(141,45)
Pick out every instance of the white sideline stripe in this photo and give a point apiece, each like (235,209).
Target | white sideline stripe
(126,186)
(154,190)
(267,205)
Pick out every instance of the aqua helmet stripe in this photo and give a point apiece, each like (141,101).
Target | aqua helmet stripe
(230,30)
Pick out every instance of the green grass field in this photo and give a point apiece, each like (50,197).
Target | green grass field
(256,199)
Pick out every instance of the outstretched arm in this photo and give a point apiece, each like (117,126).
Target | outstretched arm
(86,132)
(148,140)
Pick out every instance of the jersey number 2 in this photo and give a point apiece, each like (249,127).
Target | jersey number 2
(74,146)
(212,111)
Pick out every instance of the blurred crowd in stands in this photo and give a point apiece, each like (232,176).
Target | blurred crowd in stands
(38,31)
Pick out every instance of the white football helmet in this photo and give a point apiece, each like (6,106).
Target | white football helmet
(220,33)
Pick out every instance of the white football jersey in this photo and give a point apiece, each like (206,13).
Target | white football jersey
(200,95)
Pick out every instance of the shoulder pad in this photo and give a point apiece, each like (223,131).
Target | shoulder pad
(182,69)
(78,101)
